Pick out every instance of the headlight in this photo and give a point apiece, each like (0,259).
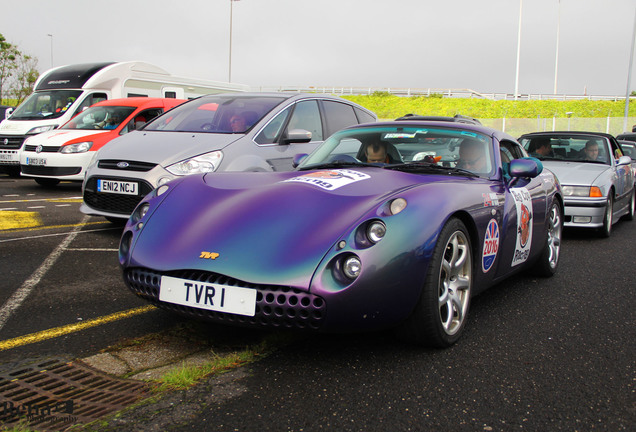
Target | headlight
(208,162)
(376,231)
(582,191)
(351,266)
(40,129)
(140,212)
(397,205)
(82,147)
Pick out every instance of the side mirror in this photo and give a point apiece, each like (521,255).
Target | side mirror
(298,159)
(8,112)
(297,136)
(527,167)
(624,160)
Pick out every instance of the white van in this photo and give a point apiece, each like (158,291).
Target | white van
(60,93)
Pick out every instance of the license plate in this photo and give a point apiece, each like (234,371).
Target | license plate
(203,295)
(35,161)
(9,157)
(117,187)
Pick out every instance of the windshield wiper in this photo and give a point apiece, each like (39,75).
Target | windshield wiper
(337,164)
(429,167)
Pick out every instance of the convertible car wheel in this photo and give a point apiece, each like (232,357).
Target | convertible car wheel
(440,315)
(606,229)
(549,259)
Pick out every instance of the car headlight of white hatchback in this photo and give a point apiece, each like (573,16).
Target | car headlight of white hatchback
(204,163)
(81,147)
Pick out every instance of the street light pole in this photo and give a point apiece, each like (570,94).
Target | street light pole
(229,74)
(51,36)
(629,76)
(518,51)
(556,60)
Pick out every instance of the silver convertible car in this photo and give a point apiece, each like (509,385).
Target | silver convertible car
(597,179)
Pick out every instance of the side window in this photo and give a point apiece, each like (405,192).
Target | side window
(363,116)
(271,133)
(140,119)
(90,100)
(338,116)
(511,150)
(306,116)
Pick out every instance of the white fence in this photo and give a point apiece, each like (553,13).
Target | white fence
(445,92)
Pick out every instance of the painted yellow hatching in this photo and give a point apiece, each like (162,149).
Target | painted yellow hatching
(18,219)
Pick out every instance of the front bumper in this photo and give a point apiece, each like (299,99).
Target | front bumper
(585,212)
(58,165)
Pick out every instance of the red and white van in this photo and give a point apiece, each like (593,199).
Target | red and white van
(65,153)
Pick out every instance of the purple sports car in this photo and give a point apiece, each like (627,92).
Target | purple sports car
(394,224)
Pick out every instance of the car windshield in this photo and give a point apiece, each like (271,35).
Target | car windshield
(216,114)
(46,105)
(412,148)
(564,147)
(100,117)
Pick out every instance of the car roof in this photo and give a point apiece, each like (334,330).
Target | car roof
(137,101)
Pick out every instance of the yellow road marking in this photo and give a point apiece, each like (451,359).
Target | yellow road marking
(19,219)
(2,228)
(71,328)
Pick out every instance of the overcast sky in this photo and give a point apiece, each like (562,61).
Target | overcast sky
(343,43)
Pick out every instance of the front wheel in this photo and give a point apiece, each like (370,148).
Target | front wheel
(549,260)
(439,317)
(606,229)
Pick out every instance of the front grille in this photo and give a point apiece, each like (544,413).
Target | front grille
(44,149)
(50,171)
(116,164)
(11,142)
(114,203)
(276,306)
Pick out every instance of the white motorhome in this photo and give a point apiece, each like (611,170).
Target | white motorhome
(60,93)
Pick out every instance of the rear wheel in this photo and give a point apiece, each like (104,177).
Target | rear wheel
(549,259)
(440,315)
(47,182)
(606,229)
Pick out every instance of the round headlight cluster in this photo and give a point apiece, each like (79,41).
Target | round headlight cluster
(376,231)
(140,212)
(351,266)
(397,205)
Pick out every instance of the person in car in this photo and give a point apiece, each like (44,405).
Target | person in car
(471,156)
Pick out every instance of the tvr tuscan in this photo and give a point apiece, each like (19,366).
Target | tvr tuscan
(394,224)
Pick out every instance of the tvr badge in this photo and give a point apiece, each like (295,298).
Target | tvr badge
(208,255)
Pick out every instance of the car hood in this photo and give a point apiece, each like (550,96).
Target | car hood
(274,228)
(576,173)
(61,137)
(165,148)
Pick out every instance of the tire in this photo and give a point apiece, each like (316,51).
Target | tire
(47,182)
(606,229)
(548,262)
(631,207)
(439,317)
(116,221)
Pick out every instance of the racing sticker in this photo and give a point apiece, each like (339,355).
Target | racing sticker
(491,246)
(523,202)
(330,180)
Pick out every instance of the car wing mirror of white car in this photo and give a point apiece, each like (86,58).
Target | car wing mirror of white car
(624,160)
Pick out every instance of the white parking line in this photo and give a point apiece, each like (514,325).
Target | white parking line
(92,249)
(23,292)
(36,207)
(58,234)
(9,208)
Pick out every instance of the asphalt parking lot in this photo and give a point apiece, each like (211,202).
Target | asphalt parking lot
(538,354)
